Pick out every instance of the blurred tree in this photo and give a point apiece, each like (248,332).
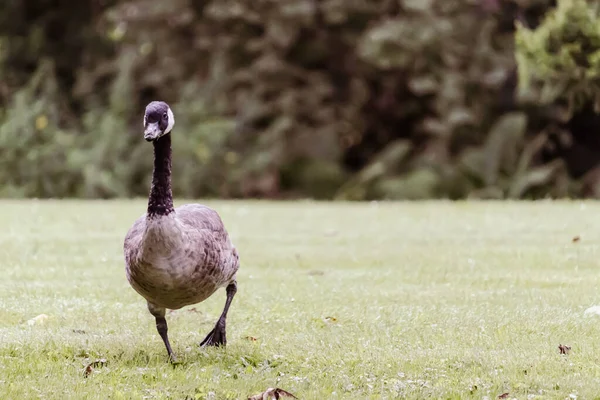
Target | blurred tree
(319,98)
(559,68)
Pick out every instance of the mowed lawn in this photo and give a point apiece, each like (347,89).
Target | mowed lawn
(335,300)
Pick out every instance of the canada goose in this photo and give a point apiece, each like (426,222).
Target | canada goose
(177,256)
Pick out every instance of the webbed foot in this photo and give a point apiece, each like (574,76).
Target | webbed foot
(216,337)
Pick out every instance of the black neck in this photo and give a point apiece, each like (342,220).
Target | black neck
(160,201)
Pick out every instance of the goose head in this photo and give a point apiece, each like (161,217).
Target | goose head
(158,120)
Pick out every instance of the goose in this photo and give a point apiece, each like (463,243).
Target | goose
(180,256)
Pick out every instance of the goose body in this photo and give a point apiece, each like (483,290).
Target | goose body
(180,259)
(177,256)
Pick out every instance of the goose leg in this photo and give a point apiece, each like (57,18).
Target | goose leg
(217,337)
(162,328)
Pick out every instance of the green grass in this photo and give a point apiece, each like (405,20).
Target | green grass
(355,301)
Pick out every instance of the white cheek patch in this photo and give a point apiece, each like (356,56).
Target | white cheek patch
(171,118)
(144,121)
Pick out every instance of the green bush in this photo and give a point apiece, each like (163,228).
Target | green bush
(559,61)
(37,154)
(327,99)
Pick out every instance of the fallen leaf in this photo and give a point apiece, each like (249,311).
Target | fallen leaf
(78,331)
(90,368)
(251,338)
(275,393)
(39,320)
(576,239)
(193,309)
(503,396)
(316,272)
(564,349)
(331,319)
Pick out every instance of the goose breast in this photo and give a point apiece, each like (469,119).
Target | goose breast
(186,271)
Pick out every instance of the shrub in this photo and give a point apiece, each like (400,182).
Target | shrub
(559,61)
(342,99)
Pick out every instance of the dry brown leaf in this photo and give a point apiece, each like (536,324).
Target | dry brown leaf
(90,368)
(274,393)
(251,338)
(331,319)
(563,349)
(503,396)
(576,239)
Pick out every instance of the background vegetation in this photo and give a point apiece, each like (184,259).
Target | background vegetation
(332,99)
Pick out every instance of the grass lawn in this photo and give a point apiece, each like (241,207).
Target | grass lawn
(354,301)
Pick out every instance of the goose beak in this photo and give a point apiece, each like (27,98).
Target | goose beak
(151,131)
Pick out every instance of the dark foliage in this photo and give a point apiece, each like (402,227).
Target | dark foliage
(397,99)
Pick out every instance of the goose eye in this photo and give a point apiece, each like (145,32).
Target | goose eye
(165,116)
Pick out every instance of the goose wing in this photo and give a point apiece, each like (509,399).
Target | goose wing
(133,239)
(200,217)
(207,230)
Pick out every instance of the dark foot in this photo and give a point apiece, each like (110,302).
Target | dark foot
(173,360)
(216,337)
